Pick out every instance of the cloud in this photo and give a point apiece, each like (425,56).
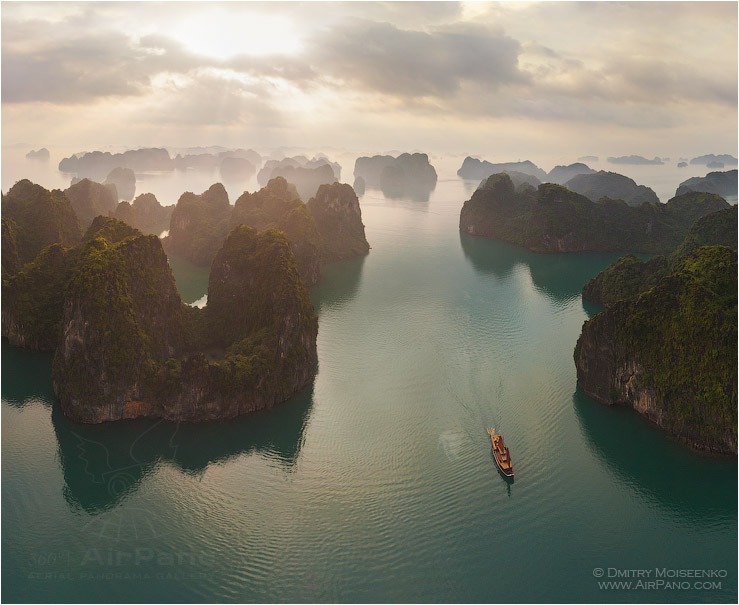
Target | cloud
(72,70)
(413,63)
(633,65)
(209,99)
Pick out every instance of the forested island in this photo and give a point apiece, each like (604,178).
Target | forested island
(407,175)
(100,294)
(553,218)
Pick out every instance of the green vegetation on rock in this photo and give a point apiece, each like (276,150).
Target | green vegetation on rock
(10,261)
(671,352)
(628,277)
(41,218)
(555,219)
(32,300)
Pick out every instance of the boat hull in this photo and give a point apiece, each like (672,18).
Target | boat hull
(501,454)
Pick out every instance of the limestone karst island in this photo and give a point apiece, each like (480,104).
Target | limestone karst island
(349,302)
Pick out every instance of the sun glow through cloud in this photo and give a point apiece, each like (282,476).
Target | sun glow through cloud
(220,35)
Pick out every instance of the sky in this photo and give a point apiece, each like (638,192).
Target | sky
(500,80)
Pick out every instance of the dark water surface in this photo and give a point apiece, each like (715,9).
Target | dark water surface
(377,483)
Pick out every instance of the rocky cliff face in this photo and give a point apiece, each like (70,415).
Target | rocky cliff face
(130,348)
(671,353)
(338,217)
(122,318)
(555,219)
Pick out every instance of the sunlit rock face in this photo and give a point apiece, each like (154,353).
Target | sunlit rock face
(128,347)
(338,217)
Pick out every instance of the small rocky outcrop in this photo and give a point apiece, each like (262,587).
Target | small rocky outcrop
(41,155)
(408,175)
(710,158)
(41,218)
(124,181)
(722,183)
(338,217)
(475,169)
(635,160)
(90,199)
(278,206)
(96,165)
(145,214)
(611,185)
(671,353)
(199,224)
(562,174)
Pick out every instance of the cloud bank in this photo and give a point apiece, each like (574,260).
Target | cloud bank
(555,66)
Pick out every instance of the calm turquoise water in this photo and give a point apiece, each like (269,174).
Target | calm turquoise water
(376,484)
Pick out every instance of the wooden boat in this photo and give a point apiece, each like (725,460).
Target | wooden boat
(501,453)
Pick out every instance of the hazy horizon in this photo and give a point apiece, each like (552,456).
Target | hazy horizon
(502,81)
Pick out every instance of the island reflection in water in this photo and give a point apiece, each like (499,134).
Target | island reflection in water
(557,276)
(691,487)
(104,463)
